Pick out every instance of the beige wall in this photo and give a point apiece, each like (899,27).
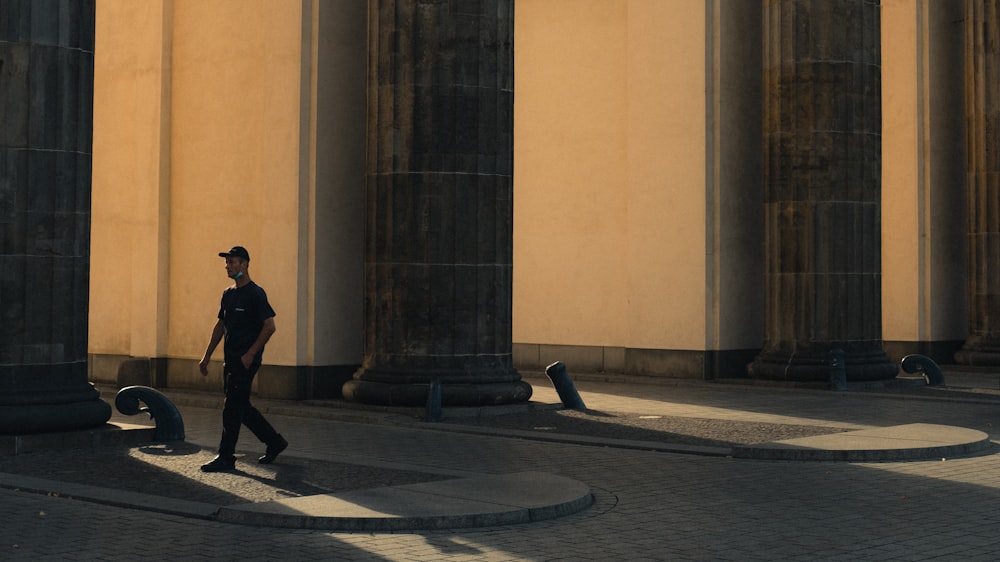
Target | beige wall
(637,177)
(131,174)
(667,185)
(231,136)
(923,258)
(630,202)
(570,172)
(903,189)
(235,165)
(191,158)
(219,123)
(610,173)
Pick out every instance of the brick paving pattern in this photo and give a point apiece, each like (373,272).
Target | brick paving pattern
(648,505)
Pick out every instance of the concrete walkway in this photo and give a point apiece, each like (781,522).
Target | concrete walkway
(468,499)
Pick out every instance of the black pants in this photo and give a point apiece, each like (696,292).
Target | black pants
(238,410)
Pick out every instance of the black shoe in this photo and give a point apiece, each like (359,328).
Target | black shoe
(273,451)
(219,464)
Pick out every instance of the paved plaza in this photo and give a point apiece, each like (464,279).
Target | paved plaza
(649,503)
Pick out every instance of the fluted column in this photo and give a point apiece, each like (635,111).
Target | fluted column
(439,204)
(46,123)
(822,190)
(982,118)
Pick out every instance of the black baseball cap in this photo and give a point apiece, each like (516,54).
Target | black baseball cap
(236,252)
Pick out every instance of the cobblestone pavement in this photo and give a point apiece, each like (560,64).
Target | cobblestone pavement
(649,505)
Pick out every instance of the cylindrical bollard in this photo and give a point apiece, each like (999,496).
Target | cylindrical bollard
(433,412)
(169,423)
(915,363)
(564,386)
(838,370)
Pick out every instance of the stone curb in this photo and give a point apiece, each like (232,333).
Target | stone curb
(480,501)
(910,442)
(571,439)
(488,500)
(110,434)
(108,496)
(817,448)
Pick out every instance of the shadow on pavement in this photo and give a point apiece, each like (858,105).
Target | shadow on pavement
(173,470)
(655,428)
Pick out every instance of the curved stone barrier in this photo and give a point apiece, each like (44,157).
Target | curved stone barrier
(479,501)
(915,441)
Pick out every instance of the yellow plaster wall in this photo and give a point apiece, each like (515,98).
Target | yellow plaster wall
(923,265)
(233,172)
(902,178)
(128,289)
(609,189)
(570,172)
(235,178)
(200,142)
(667,175)
(337,208)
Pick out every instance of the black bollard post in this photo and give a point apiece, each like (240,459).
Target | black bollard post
(169,423)
(838,371)
(915,363)
(433,412)
(564,386)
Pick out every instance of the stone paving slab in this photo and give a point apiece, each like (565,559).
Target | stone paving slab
(109,496)
(172,470)
(648,505)
(321,494)
(481,501)
(477,501)
(172,483)
(110,434)
(916,441)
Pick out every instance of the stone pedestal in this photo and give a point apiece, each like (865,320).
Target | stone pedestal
(982,115)
(822,190)
(439,205)
(46,112)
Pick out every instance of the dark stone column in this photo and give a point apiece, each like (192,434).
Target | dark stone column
(439,204)
(46,124)
(982,118)
(822,190)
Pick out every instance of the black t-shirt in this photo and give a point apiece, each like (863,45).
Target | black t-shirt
(243,312)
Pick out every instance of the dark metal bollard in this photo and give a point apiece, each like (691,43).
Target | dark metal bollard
(433,412)
(169,424)
(838,370)
(564,386)
(914,363)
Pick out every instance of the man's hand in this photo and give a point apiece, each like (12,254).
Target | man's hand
(217,332)
(267,328)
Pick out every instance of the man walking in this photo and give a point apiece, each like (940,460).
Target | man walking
(246,320)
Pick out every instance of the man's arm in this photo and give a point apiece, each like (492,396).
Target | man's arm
(217,332)
(266,330)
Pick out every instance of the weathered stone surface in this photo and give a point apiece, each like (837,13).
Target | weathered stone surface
(46,102)
(982,118)
(822,190)
(439,242)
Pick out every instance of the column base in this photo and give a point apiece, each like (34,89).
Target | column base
(24,419)
(813,365)
(452,394)
(49,397)
(979,351)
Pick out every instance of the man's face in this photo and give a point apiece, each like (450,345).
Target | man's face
(235,266)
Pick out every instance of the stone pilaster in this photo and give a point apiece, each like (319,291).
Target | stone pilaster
(982,118)
(822,190)
(439,204)
(46,112)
